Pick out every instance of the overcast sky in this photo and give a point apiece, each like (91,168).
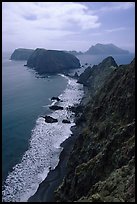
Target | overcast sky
(67,25)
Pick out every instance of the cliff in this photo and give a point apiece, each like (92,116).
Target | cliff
(21,54)
(52,61)
(95,76)
(101,166)
(100,49)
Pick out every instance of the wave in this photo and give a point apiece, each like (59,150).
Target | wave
(44,149)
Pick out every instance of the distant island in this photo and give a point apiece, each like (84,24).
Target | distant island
(21,54)
(99,49)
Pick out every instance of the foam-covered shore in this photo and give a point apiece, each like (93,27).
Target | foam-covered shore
(45,192)
(44,149)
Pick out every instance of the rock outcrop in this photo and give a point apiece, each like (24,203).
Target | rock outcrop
(101,167)
(94,78)
(98,73)
(65,121)
(55,98)
(21,54)
(55,107)
(52,61)
(49,119)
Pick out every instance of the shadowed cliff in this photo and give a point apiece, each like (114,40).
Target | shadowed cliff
(101,167)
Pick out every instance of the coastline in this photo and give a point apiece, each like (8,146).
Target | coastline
(45,191)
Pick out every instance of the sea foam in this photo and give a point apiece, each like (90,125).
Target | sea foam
(44,148)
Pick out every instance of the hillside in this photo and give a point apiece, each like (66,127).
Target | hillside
(101,167)
(109,49)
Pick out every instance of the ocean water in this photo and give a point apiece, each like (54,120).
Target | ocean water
(29,145)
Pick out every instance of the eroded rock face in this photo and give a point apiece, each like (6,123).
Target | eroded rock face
(21,54)
(101,167)
(52,61)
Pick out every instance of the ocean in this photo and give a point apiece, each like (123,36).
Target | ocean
(29,145)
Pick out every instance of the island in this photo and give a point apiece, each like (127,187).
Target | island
(52,61)
(21,54)
(109,49)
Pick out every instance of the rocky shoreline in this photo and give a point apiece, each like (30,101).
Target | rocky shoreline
(45,191)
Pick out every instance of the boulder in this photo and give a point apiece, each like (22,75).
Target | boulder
(65,121)
(56,107)
(49,119)
(55,98)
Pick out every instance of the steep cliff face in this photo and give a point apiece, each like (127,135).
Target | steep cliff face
(21,54)
(94,77)
(52,61)
(101,167)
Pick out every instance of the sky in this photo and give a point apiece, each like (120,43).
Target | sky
(67,25)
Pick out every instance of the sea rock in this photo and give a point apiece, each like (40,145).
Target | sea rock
(52,61)
(65,121)
(55,107)
(76,75)
(49,119)
(21,54)
(55,98)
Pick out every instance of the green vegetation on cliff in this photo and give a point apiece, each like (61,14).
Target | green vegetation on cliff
(101,167)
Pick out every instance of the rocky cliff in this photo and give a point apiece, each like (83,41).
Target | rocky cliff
(52,61)
(21,54)
(101,167)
